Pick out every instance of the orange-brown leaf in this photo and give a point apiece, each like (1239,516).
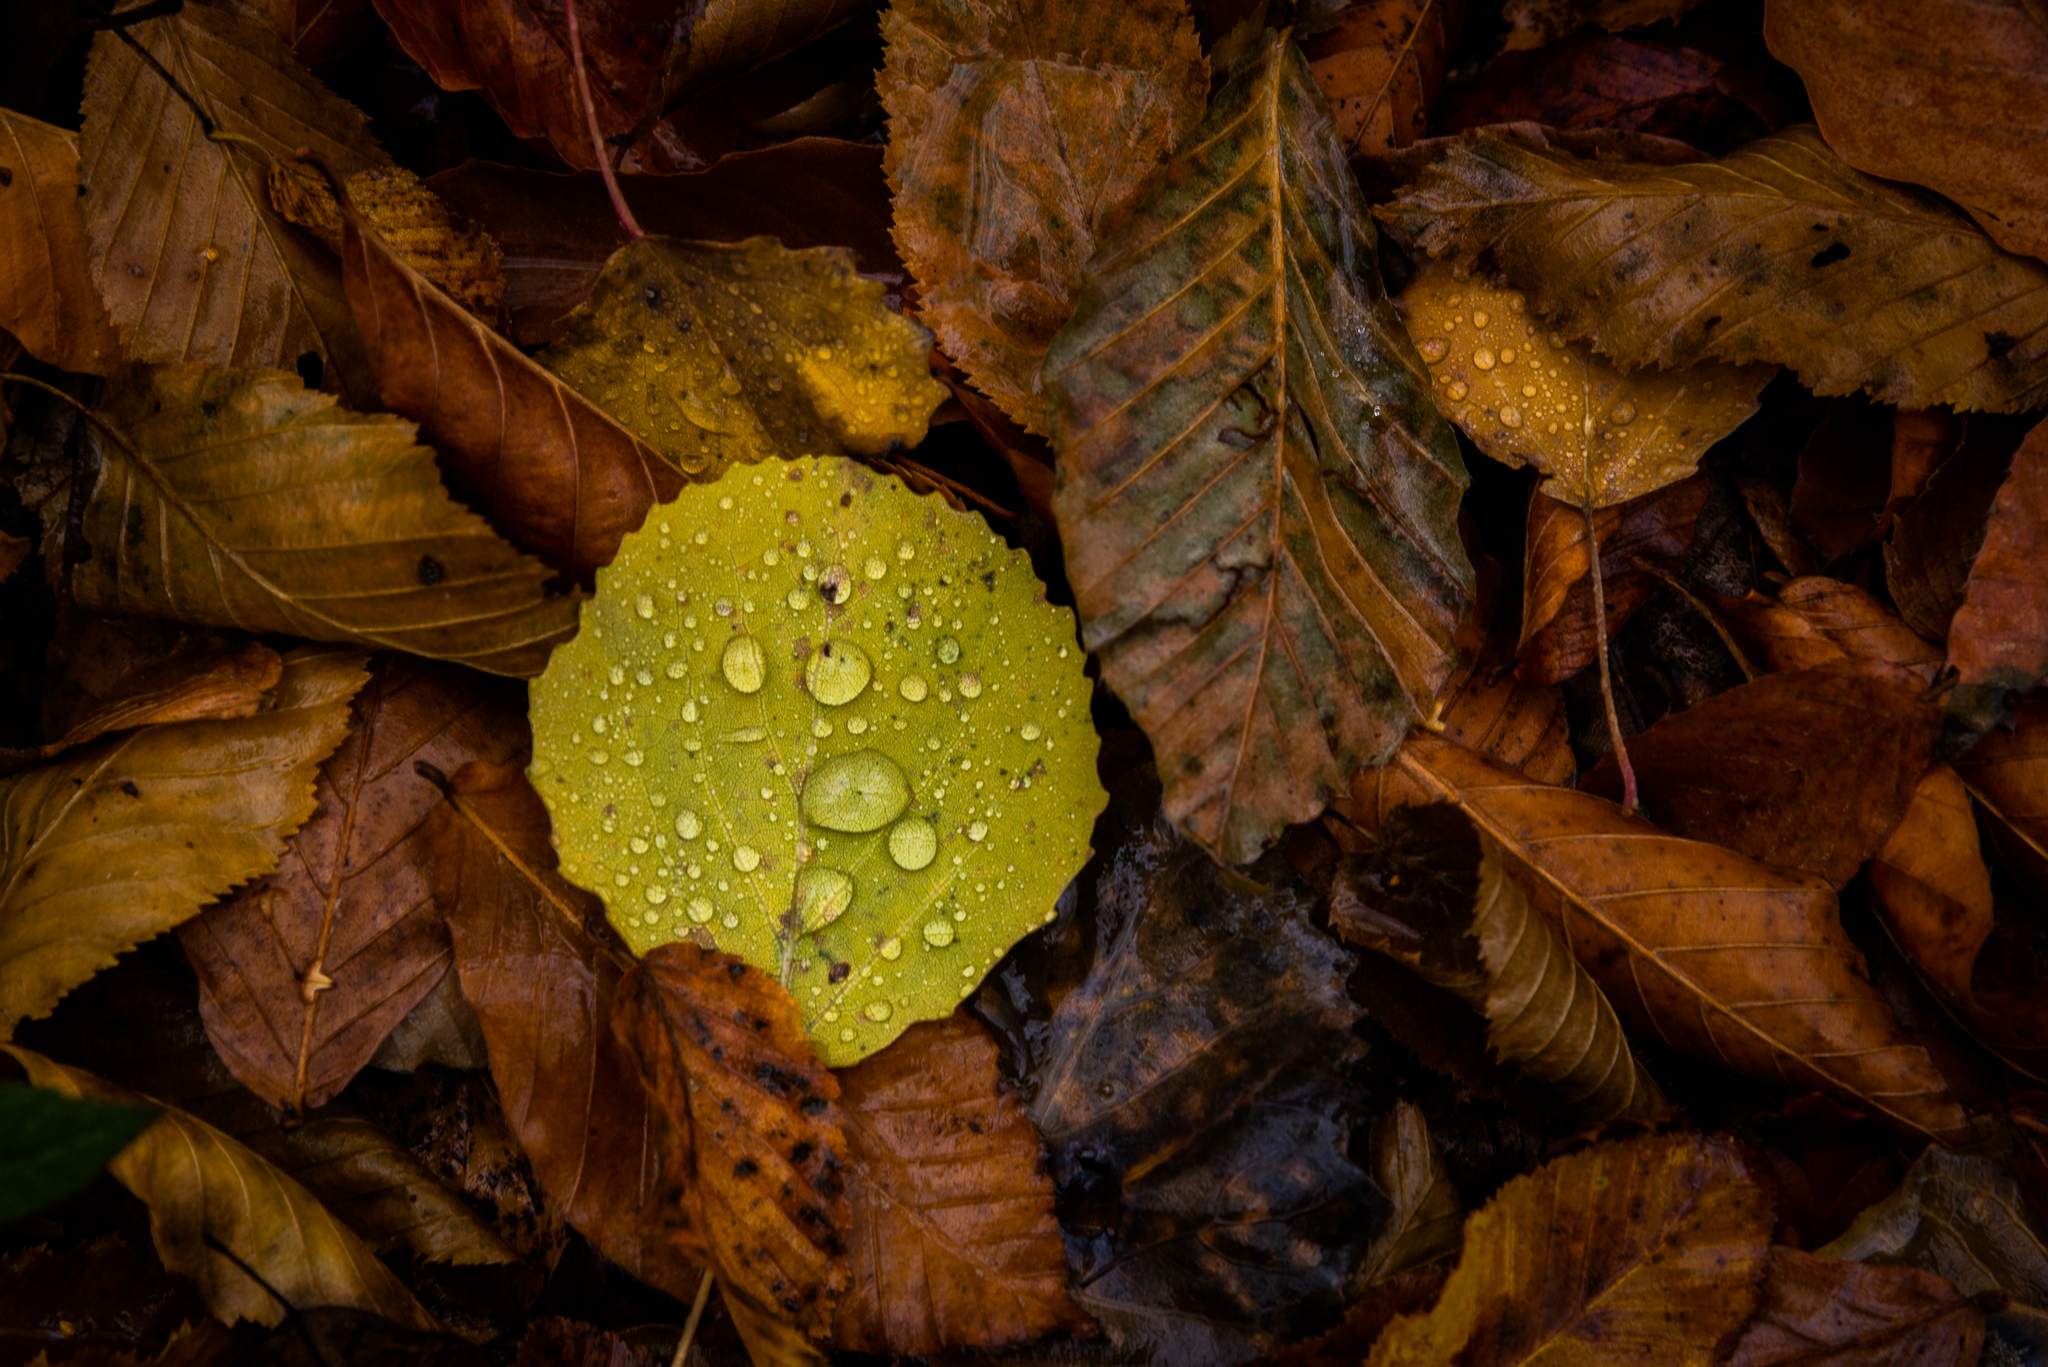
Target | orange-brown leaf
(954,1243)
(2007,771)
(1380,67)
(1998,640)
(1825,1312)
(213,684)
(1859,625)
(1932,881)
(47,299)
(751,1140)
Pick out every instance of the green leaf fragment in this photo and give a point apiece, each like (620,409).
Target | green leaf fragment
(877,794)
(51,1146)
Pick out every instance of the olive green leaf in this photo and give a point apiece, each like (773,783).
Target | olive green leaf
(52,1146)
(829,727)
(1257,496)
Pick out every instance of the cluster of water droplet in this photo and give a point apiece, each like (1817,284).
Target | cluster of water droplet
(812,718)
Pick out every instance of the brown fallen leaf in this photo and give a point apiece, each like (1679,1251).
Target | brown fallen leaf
(1826,1311)
(1922,438)
(544,987)
(751,1143)
(116,1299)
(112,846)
(1861,627)
(1671,928)
(1009,161)
(1536,22)
(1381,65)
(231,681)
(1650,1249)
(1806,770)
(47,297)
(1428,1219)
(217,1209)
(182,231)
(1600,81)
(1935,539)
(1881,84)
(2007,772)
(953,1243)
(1934,884)
(550,469)
(1998,639)
(1841,495)
(303,974)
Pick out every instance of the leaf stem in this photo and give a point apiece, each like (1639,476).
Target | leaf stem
(604,164)
(690,1325)
(1628,773)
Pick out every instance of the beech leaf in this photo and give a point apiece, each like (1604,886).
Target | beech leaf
(114,845)
(1257,497)
(47,298)
(1381,67)
(1779,252)
(243,499)
(1009,161)
(212,685)
(1998,639)
(1848,1314)
(1428,1219)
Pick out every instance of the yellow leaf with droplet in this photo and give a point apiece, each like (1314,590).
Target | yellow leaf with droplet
(1526,396)
(719,354)
(831,727)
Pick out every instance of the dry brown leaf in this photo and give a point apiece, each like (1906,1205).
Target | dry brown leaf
(303,974)
(1649,1250)
(1671,928)
(1860,626)
(1380,67)
(214,685)
(190,259)
(107,848)
(1427,1221)
(1998,639)
(953,1242)
(1010,158)
(1806,770)
(543,986)
(1654,85)
(47,298)
(1839,499)
(216,1209)
(750,1123)
(1883,81)
(1825,1311)
(2007,771)
(1536,22)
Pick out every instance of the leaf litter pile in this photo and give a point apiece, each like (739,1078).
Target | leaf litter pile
(1024,682)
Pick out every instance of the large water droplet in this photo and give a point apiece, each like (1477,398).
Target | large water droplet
(978,831)
(1031,730)
(947,650)
(890,948)
(835,585)
(1458,390)
(1433,349)
(970,685)
(1480,318)
(746,858)
(700,909)
(1511,416)
(876,1011)
(938,932)
(913,688)
(875,567)
(822,896)
(656,895)
(836,672)
(856,793)
(1483,358)
(1624,413)
(742,664)
(688,824)
(913,844)
(644,605)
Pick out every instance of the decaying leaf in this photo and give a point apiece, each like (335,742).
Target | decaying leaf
(1380,67)
(1933,883)
(216,1209)
(2007,771)
(242,499)
(190,259)
(751,1139)
(1936,539)
(1882,81)
(1649,1249)
(1602,81)
(1844,1314)
(1009,158)
(112,846)
(1673,929)
(212,685)
(1998,639)
(719,354)
(1427,1221)
(47,298)
(544,988)
(1256,494)
(1528,397)
(1536,22)
(1859,625)
(1808,770)
(303,974)
(953,1241)
(1779,252)
(832,727)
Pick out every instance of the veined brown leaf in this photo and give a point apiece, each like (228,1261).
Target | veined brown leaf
(1257,497)
(1010,159)
(2007,772)
(1819,1311)
(1647,1250)
(1882,82)
(1936,538)
(1380,67)
(303,974)
(112,846)
(47,298)
(213,685)
(243,499)
(1777,252)
(1859,625)
(1998,639)
(1714,954)
(205,1190)
(190,259)
(1428,1218)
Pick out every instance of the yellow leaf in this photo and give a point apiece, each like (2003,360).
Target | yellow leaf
(47,299)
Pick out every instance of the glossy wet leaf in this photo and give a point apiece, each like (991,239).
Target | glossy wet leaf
(1779,252)
(47,297)
(1010,159)
(1256,494)
(1525,396)
(52,1146)
(243,499)
(720,354)
(1649,1248)
(110,847)
(830,726)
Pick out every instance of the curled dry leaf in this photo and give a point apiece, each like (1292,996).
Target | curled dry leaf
(183,235)
(1380,67)
(1864,284)
(303,974)
(1009,161)
(1258,501)
(216,1209)
(1648,1249)
(112,846)
(1882,82)
(1428,1219)
(953,1241)
(1528,397)
(242,499)
(1672,929)
(1998,639)
(751,1141)
(1824,1310)
(213,685)
(1807,770)
(544,988)
(47,297)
